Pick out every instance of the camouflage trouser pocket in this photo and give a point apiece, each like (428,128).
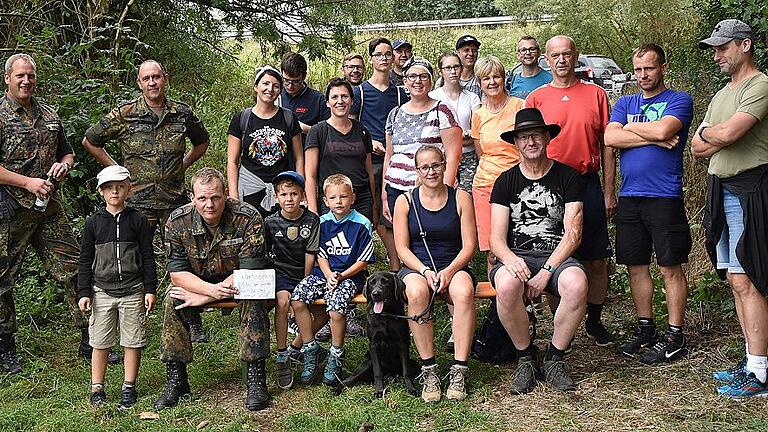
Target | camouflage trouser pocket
(5,229)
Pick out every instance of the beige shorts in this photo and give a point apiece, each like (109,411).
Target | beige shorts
(107,312)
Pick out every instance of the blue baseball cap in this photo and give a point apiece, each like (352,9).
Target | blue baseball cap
(289,175)
(399,43)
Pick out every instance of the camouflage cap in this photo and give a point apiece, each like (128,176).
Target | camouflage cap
(726,31)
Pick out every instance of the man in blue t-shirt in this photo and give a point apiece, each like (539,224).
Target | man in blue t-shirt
(531,76)
(372,102)
(650,129)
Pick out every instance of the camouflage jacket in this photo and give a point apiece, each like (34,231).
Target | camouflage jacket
(30,144)
(153,148)
(238,242)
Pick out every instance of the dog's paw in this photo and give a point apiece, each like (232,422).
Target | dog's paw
(378,394)
(337,389)
(412,390)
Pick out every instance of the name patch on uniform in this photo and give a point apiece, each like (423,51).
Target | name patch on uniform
(232,242)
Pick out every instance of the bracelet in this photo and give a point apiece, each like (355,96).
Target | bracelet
(701,134)
(69,167)
(548,267)
(424,271)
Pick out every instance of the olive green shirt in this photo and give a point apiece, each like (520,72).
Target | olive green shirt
(236,243)
(153,148)
(751,150)
(30,143)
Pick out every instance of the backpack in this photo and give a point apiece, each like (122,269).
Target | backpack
(492,343)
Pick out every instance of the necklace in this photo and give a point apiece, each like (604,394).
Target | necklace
(496,110)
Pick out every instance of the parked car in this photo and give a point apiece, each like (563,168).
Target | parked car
(582,71)
(594,68)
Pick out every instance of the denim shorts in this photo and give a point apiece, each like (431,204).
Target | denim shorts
(732,231)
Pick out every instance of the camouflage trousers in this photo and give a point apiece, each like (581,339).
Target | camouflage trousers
(467,170)
(254,332)
(50,234)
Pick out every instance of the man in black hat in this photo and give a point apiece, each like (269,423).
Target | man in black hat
(403,51)
(734,136)
(467,46)
(536,222)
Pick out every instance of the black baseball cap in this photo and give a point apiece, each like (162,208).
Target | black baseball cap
(467,40)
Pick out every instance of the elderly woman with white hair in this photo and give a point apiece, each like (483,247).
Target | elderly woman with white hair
(262,142)
(420,121)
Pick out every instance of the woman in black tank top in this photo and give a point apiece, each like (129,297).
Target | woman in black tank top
(448,219)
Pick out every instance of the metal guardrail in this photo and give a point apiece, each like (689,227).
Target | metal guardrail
(463,22)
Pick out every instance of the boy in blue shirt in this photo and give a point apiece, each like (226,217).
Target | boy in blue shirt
(346,249)
(292,238)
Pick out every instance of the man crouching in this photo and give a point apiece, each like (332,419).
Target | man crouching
(206,241)
(536,220)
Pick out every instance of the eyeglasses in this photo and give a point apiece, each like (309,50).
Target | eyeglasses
(451,68)
(417,77)
(382,56)
(535,136)
(354,67)
(527,50)
(437,167)
(287,81)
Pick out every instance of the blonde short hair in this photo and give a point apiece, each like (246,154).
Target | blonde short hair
(487,66)
(206,175)
(337,180)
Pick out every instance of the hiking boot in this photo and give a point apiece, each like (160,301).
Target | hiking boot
(332,373)
(731,374)
(324,334)
(354,329)
(524,377)
(85,350)
(669,348)
(9,361)
(457,383)
(643,337)
(743,387)
(556,375)
(284,374)
(257,396)
(312,359)
(449,345)
(196,331)
(600,334)
(128,397)
(98,398)
(430,384)
(295,358)
(176,387)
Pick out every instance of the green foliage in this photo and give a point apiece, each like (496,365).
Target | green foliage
(391,11)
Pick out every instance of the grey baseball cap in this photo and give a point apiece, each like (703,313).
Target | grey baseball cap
(726,31)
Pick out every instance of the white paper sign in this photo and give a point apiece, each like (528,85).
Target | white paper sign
(255,284)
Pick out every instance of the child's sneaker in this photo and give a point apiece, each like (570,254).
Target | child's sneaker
(430,384)
(284,374)
(98,398)
(332,373)
(312,359)
(128,397)
(324,334)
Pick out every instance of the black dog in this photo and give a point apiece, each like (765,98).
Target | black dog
(389,341)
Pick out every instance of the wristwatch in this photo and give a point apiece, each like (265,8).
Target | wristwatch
(548,267)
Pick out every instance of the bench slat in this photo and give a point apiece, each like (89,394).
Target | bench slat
(484,291)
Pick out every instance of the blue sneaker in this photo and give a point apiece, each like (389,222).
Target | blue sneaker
(731,374)
(312,359)
(745,386)
(332,373)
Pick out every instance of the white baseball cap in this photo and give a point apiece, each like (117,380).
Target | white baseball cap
(112,173)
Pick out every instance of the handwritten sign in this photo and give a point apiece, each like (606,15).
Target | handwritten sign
(255,284)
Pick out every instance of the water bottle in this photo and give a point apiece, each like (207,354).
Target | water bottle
(41,204)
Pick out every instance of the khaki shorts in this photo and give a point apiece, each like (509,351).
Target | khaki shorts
(107,312)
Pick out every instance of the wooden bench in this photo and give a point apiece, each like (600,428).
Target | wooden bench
(484,291)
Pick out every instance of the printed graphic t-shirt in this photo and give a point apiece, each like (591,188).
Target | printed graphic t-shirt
(650,170)
(345,242)
(287,242)
(537,207)
(265,150)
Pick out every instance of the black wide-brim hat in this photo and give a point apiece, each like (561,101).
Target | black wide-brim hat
(529,118)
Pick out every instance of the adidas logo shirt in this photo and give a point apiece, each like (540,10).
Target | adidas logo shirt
(344,242)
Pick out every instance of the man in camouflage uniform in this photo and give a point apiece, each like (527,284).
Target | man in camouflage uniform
(33,146)
(152,132)
(206,241)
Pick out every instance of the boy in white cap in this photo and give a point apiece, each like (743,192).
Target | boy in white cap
(117,281)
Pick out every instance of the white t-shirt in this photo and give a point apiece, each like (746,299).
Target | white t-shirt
(463,107)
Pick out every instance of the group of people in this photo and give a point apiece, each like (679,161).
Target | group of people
(454,159)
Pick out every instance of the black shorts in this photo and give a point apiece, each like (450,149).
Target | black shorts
(645,223)
(392,195)
(595,243)
(534,260)
(283,283)
(378,173)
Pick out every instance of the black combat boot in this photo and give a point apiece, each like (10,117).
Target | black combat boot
(86,350)
(257,396)
(176,387)
(9,362)
(196,330)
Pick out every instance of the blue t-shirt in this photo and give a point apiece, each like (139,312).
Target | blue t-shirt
(650,170)
(520,86)
(345,242)
(376,105)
